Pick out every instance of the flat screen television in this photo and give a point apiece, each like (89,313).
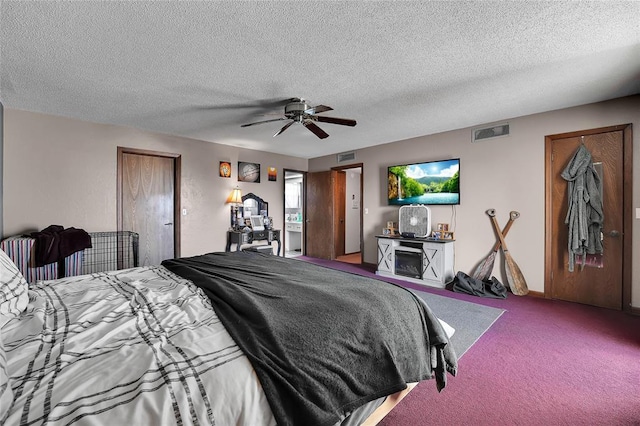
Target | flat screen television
(429,182)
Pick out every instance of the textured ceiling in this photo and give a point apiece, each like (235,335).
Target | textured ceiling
(401,69)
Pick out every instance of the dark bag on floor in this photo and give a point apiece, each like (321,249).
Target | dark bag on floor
(493,288)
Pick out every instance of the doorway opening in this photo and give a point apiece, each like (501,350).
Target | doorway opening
(328,205)
(294,217)
(352,216)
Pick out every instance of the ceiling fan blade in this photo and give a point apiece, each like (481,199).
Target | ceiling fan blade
(315,129)
(285,127)
(275,103)
(318,108)
(265,121)
(334,120)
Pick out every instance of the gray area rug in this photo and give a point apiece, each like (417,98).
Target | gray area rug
(470,320)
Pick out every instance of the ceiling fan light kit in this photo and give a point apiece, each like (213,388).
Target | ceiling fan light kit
(298,111)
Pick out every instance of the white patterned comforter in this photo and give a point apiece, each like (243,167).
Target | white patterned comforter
(134,347)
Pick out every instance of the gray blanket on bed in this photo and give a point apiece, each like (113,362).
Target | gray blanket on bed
(321,341)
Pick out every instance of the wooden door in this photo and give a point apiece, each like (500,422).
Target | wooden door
(148,197)
(319,236)
(598,286)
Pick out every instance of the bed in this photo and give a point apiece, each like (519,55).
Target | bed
(240,338)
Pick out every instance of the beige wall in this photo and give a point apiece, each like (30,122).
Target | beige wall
(503,173)
(63,171)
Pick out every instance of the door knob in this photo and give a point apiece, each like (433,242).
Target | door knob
(614,233)
(168,223)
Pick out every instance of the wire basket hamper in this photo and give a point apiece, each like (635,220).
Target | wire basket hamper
(111,251)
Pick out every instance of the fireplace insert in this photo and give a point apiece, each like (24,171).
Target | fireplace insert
(408,262)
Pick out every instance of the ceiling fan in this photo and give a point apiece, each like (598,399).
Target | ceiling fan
(298,111)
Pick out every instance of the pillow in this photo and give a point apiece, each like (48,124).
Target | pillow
(447,328)
(14,295)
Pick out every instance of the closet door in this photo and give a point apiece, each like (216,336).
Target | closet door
(148,202)
(598,285)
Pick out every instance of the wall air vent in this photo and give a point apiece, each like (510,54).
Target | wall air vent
(496,131)
(346,156)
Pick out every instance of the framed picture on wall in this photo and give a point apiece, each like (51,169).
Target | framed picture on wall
(248,172)
(225,169)
(272,173)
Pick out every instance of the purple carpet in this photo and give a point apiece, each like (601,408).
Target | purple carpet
(543,362)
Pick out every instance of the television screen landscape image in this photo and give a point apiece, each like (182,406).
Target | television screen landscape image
(431,182)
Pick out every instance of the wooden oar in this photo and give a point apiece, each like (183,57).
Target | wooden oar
(483,271)
(515,279)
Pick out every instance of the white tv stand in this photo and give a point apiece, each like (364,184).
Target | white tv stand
(419,260)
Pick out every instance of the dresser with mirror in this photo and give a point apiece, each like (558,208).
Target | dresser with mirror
(257,227)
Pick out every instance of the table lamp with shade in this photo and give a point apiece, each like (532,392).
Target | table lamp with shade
(235,199)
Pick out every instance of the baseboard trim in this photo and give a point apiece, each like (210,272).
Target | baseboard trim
(370,265)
